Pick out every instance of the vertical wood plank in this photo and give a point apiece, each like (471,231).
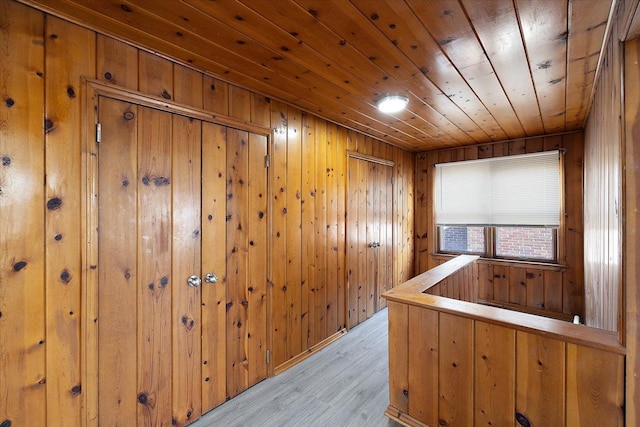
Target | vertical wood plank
(423,364)
(187,86)
(455,365)
(485,281)
(332,231)
(573,279)
(154,267)
(116,62)
(372,235)
(398,356)
(422,213)
(386,233)
(294,231)
(308,255)
(256,286)
(553,291)
(362,242)
(70,54)
(501,283)
(594,387)
(535,288)
(540,381)
(22,213)
(215,94)
(185,262)
(214,212)
(517,285)
(237,261)
(155,75)
(322,249)
(260,110)
(353,272)
(279,332)
(341,174)
(239,103)
(495,375)
(117,268)
(632,234)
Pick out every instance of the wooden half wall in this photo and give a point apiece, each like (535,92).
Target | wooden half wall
(43,59)
(556,290)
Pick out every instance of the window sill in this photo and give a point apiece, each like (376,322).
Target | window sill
(510,262)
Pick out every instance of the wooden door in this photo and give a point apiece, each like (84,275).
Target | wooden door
(370,235)
(177,198)
(234,195)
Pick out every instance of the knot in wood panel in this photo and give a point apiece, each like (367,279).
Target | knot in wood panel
(19,265)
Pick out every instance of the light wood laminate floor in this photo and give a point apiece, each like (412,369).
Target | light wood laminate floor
(345,384)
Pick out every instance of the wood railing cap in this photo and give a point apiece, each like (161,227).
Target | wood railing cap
(412,291)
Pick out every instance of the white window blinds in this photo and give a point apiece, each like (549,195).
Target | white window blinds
(513,190)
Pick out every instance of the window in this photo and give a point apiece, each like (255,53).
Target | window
(505,207)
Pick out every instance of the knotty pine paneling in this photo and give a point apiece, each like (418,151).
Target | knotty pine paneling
(548,289)
(306,202)
(65,44)
(22,217)
(603,196)
(451,365)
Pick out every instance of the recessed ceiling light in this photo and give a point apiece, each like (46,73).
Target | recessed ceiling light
(392,103)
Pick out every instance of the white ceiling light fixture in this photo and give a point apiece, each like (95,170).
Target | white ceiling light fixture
(392,103)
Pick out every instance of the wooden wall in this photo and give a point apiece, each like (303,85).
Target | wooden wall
(632,226)
(603,195)
(473,366)
(555,290)
(41,227)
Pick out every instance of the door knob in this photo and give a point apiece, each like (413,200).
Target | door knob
(194,281)
(210,278)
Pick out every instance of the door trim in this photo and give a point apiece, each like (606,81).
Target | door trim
(92,91)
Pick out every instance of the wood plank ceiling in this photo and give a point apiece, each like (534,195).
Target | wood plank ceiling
(474,70)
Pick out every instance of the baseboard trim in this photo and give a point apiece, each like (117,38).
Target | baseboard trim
(302,356)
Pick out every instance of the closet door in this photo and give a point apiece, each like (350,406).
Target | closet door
(148,248)
(234,190)
(369,236)
(182,265)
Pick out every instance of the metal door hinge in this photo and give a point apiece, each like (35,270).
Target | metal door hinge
(268,356)
(267,161)
(98,132)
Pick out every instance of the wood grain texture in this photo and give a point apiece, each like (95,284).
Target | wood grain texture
(602,198)
(455,370)
(258,242)
(494,374)
(186,300)
(540,380)
(237,262)
(398,356)
(473,73)
(22,217)
(632,204)
(69,54)
(423,370)
(214,298)
(122,65)
(493,364)
(592,394)
(155,282)
(116,62)
(117,267)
